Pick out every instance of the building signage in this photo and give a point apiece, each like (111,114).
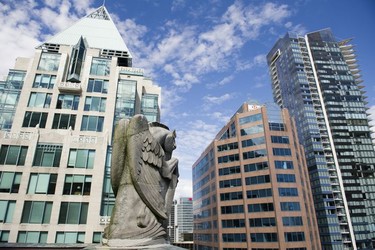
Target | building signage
(131,71)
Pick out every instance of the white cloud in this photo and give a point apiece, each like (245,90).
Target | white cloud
(184,188)
(24,26)
(216,100)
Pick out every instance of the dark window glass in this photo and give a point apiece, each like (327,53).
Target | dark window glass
(31,119)
(77,184)
(36,212)
(284,165)
(290,206)
(13,155)
(10,182)
(47,155)
(73,213)
(64,121)
(288,192)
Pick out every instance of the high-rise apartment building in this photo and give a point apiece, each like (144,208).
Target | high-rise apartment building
(57,114)
(316,77)
(184,218)
(251,187)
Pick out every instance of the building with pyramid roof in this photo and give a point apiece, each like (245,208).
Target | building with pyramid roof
(57,114)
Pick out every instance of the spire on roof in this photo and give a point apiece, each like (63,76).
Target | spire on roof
(100,13)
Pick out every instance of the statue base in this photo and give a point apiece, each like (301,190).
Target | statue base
(151,247)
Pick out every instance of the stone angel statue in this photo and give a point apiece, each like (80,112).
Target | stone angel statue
(144,177)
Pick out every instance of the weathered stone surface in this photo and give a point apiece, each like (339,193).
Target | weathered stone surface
(144,177)
(152,247)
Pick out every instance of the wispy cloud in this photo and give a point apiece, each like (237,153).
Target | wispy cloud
(216,100)
(187,52)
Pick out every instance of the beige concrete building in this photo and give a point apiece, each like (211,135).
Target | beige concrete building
(57,114)
(251,186)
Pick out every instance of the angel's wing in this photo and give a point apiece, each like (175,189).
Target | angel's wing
(146,175)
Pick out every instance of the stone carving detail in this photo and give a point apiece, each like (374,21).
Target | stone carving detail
(144,177)
(20,135)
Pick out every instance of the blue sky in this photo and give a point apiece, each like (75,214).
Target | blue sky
(207,55)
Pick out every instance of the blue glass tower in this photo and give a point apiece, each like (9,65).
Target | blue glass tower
(316,78)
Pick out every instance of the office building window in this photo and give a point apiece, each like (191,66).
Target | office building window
(228,158)
(92,123)
(77,184)
(36,212)
(291,178)
(282,151)
(226,147)
(100,67)
(97,86)
(288,192)
(263,237)
(70,237)
(81,158)
(150,107)
(10,182)
(280,139)
(294,236)
(254,154)
(96,237)
(250,118)
(67,102)
(39,100)
(252,130)
(6,211)
(49,62)
(284,165)
(277,126)
(253,142)
(73,212)
(230,183)
(260,207)
(32,237)
(292,221)
(42,183)
(125,99)
(13,155)
(231,196)
(4,236)
(95,104)
(259,193)
(235,209)
(44,81)
(256,166)
(233,223)
(64,121)
(262,222)
(290,206)
(47,155)
(234,237)
(260,179)
(32,119)
(230,170)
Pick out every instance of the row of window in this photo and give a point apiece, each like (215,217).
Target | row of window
(39,212)
(261,179)
(262,222)
(255,167)
(63,121)
(47,155)
(264,237)
(263,207)
(254,154)
(41,237)
(51,61)
(66,101)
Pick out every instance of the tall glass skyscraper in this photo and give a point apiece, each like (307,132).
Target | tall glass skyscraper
(317,79)
(57,113)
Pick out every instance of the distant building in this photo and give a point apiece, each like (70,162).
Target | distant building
(316,77)
(184,218)
(57,114)
(251,186)
(172,222)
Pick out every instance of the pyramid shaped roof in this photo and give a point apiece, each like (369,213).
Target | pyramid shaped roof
(97,28)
